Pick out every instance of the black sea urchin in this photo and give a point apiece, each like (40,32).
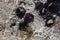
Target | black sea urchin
(20,11)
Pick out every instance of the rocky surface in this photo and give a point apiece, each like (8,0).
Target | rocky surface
(40,32)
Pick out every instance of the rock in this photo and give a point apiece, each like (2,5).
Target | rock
(50,21)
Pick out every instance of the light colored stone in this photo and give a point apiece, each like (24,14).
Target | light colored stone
(50,21)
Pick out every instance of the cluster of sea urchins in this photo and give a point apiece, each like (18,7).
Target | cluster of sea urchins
(48,11)
(28,17)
